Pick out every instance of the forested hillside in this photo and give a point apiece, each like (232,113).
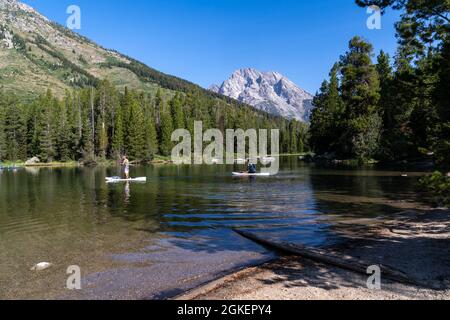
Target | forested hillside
(101,123)
(54,103)
(396,108)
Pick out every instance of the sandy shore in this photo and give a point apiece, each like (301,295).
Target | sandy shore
(414,242)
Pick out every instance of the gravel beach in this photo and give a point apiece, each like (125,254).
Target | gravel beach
(414,242)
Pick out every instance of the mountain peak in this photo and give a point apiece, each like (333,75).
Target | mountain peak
(246,73)
(271,92)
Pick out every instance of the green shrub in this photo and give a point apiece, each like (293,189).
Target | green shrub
(438,187)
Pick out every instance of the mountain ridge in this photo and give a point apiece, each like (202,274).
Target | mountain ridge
(43,54)
(269,92)
(69,94)
(37,54)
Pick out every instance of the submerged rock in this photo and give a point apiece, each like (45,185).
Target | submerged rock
(41,266)
(32,161)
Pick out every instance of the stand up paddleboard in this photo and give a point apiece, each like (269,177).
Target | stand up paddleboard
(245,174)
(117,179)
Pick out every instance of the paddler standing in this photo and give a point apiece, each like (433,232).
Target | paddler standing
(126,167)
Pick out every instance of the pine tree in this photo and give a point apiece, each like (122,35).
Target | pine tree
(3,154)
(33,127)
(164,122)
(385,75)
(43,138)
(303,138)
(15,131)
(106,106)
(386,106)
(424,115)
(301,144)
(293,138)
(159,106)
(360,93)
(151,139)
(73,136)
(421,32)
(403,98)
(92,119)
(102,135)
(177,113)
(326,121)
(87,140)
(166,131)
(63,133)
(320,121)
(117,143)
(86,124)
(47,140)
(135,139)
(442,99)
(76,121)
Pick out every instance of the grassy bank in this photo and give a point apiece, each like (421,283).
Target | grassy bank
(437,187)
(10,164)
(55,164)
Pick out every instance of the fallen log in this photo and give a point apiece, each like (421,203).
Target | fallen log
(322,256)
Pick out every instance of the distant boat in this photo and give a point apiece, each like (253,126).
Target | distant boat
(268,159)
(241,161)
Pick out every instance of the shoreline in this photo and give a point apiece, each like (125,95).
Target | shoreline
(72,164)
(158,160)
(415,242)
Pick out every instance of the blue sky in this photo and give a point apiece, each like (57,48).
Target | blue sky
(204,41)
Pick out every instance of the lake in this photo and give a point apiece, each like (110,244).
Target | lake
(155,240)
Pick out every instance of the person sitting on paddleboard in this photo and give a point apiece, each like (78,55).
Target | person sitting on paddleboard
(251,168)
(126,166)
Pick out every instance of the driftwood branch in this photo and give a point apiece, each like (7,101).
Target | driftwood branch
(321,256)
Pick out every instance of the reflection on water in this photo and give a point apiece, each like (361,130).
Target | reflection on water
(149,240)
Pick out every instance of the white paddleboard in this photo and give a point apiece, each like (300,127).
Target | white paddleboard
(112,180)
(244,174)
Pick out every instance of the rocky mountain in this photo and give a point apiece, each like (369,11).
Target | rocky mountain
(37,54)
(268,91)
